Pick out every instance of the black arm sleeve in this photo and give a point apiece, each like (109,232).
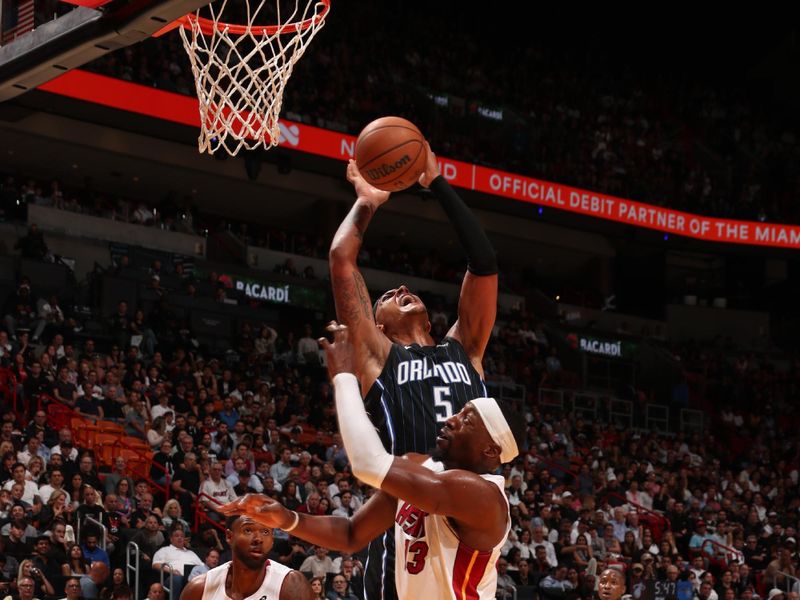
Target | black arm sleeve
(480,253)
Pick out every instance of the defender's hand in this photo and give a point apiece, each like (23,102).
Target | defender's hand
(246,504)
(262,509)
(339,354)
(364,190)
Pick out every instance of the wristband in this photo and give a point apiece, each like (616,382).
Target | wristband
(296,522)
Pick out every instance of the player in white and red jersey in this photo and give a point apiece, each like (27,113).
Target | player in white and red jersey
(249,575)
(450,517)
(432,555)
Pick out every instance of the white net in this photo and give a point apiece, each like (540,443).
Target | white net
(241,71)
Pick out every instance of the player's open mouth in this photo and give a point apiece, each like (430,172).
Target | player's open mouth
(406,300)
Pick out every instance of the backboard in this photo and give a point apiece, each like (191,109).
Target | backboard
(41,39)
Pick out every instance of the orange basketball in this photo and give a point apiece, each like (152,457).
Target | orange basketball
(390,153)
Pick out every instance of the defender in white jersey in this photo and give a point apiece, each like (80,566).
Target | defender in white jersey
(450,517)
(429,548)
(250,575)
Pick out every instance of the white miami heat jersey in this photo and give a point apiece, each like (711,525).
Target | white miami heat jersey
(432,563)
(270,588)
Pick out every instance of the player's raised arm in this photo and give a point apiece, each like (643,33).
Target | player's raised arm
(336,533)
(353,305)
(477,304)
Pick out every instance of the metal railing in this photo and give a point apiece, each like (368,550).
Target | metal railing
(168,588)
(620,413)
(585,404)
(508,391)
(93,521)
(657,418)
(551,398)
(132,566)
(787,581)
(623,414)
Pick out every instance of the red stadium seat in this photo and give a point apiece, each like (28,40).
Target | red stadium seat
(108,427)
(85,435)
(105,445)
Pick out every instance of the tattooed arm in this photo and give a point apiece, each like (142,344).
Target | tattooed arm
(353,305)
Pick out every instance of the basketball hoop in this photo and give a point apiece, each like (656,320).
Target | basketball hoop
(241,70)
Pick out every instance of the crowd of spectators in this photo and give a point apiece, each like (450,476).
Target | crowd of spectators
(574,116)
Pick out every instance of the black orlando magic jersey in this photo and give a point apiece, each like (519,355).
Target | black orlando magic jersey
(419,388)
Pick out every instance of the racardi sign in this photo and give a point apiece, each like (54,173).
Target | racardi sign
(595,346)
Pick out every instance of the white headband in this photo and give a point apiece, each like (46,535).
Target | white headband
(497,426)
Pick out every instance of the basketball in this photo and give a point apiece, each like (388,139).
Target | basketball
(390,153)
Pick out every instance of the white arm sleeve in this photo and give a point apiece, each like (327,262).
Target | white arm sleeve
(369,459)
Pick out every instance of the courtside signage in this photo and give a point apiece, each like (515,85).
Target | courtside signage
(611,348)
(274,292)
(177,108)
(595,346)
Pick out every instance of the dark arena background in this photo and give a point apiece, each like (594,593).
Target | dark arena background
(641,189)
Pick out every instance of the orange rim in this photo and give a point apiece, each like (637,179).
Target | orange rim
(208,27)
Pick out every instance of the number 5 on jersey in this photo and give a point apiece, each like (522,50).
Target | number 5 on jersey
(442,406)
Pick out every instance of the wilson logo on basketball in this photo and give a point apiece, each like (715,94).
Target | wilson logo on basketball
(387,169)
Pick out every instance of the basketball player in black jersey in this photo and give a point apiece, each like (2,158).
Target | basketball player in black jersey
(411,383)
